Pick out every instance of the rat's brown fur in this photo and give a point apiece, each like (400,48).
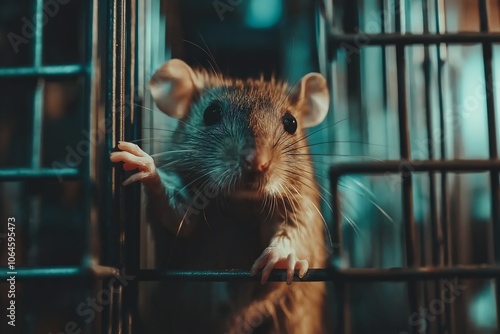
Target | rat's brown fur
(232,231)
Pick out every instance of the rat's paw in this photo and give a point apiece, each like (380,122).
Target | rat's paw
(279,258)
(134,158)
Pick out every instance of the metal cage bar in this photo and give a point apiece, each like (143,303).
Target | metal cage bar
(334,274)
(436,246)
(492,142)
(441,241)
(121,109)
(444,241)
(43,71)
(120,315)
(35,172)
(337,40)
(410,229)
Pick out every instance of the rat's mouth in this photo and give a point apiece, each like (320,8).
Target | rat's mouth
(250,185)
(252,181)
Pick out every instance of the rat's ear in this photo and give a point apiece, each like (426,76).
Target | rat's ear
(312,97)
(173,86)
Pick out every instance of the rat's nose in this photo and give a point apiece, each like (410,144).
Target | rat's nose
(257,161)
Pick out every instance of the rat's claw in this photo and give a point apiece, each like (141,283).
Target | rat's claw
(274,257)
(135,158)
(273,260)
(292,260)
(136,177)
(259,263)
(132,148)
(303,267)
(293,263)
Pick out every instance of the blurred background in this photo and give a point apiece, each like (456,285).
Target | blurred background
(56,63)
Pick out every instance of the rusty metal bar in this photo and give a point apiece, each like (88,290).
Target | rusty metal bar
(410,230)
(492,143)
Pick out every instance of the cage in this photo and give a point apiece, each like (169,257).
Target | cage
(401,72)
(407,158)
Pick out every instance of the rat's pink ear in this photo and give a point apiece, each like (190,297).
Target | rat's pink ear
(173,86)
(312,98)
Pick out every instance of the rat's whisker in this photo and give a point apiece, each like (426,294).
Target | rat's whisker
(379,208)
(336,155)
(298,179)
(293,142)
(362,186)
(170,152)
(194,181)
(333,142)
(351,222)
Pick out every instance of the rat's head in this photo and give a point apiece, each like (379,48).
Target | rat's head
(243,137)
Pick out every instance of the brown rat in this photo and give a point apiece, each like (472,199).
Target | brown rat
(239,182)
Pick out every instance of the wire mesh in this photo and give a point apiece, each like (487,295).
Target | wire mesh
(424,266)
(393,41)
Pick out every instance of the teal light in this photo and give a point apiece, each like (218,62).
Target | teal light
(482,309)
(263,13)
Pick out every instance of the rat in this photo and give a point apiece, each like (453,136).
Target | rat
(238,187)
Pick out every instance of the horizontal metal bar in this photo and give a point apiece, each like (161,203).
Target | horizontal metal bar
(43,71)
(278,275)
(401,166)
(38,273)
(362,40)
(21,174)
(332,274)
(416,274)
(22,274)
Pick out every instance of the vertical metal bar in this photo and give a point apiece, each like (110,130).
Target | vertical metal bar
(108,230)
(107,314)
(39,91)
(132,196)
(88,173)
(38,101)
(412,254)
(112,109)
(121,104)
(435,228)
(355,105)
(385,94)
(120,51)
(36,163)
(404,134)
(430,139)
(89,118)
(117,310)
(446,242)
(38,46)
(37,139)
(355,98)
(336,227)
(36,152)
(492,142)
(381,4)
(336,233)
(37,127)
(35,203)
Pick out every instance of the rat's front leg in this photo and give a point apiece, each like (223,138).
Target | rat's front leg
(167,198)
(134,158)
(280,254)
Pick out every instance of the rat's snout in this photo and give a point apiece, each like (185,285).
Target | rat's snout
(256,160)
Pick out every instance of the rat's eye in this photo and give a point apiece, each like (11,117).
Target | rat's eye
(289,123)
(213,114)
